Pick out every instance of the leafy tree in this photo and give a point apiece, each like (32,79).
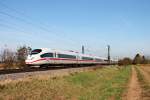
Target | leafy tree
(144,60)
(138,59)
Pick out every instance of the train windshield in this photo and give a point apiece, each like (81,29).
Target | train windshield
(36,51)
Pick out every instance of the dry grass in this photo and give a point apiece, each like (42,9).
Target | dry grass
(101,84)
(2,66)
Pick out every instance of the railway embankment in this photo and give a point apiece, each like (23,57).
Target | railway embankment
(56,71)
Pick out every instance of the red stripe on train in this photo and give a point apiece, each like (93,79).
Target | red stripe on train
(61,59)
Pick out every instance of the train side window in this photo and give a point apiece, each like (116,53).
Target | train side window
(98,59)
(47,55)
(87,58)
(66,56)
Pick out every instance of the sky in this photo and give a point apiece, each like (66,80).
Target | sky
(69,24)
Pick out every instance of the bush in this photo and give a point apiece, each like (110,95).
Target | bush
(125,61)
(137,59)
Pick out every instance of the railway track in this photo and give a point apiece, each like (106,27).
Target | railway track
(15,74)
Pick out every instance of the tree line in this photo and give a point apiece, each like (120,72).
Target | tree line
(138,59)
(14,59)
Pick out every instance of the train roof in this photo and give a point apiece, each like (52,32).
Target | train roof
(59,51)
(70,52)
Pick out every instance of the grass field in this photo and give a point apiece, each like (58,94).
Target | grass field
(100,84)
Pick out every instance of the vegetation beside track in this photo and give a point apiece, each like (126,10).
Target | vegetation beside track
(100,84)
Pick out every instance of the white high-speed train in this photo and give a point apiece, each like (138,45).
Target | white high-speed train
(46,57)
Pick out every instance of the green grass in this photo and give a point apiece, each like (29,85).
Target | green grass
(101,84)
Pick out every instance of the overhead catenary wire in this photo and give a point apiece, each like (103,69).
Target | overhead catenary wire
(30,37)
(41,27)
(24,15)
(29,20)
(10,27)
(26,19)
(57,35)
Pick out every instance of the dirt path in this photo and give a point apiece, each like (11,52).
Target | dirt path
(134,89)
(146,72)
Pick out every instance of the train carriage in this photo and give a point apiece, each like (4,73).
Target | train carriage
(47,57)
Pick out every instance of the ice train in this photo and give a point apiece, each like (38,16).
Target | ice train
(46,57)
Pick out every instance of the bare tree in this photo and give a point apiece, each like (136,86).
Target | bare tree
(22,53)
(8,57)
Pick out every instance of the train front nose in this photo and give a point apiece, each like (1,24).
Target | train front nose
(29,59)
(33,57)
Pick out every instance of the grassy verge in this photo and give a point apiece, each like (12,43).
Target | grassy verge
(102,84)
(144,84)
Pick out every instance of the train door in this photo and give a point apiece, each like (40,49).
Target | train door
(55,58)
(49,58)
(52,58)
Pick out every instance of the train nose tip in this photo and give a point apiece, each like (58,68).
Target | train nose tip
(27,62)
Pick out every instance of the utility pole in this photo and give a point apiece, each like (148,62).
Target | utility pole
(108,56)
(82,49)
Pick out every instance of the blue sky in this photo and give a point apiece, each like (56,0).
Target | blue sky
(69,24)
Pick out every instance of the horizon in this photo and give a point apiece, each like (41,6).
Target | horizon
(67,25)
